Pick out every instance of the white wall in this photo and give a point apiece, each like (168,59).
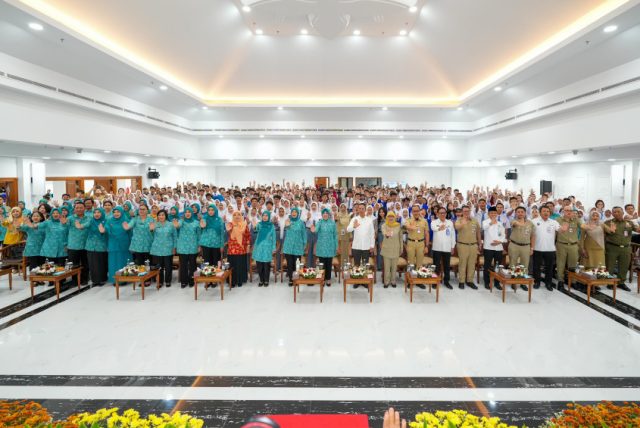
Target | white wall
(91,169)
(8,167)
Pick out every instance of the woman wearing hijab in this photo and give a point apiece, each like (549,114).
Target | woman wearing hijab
(12,223)
(24,211)
(313,216)
(592,241)
(380,219)
(35,239)
(54,246)
(279,220)
(174,214)
(327,242)
(264,248)
(212,236)
(344,239)
(96,247)
(163,246)
(3,229)
(118,241)
(239,241)
(187,246)
(391,248)
(141,238)
(295,240)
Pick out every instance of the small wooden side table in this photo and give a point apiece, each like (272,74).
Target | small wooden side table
(7,271)
(226,276)
(366,281)
(56,279)
(504,281)
(137,279)
(318,280)
(410,282)
(592,283)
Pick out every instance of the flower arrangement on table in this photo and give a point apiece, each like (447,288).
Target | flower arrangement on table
(133,270)
(48,268)
(209,270)
(603,414)
(426,272)
(455,418)
(308,273)
(600,272)
(358,272)
(518,271)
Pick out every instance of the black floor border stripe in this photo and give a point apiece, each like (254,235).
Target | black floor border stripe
(619,305)
(25,303)
(232,413)
(42,308)
(320,382)
(631,326)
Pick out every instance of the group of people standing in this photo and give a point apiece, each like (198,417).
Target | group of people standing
(287,225)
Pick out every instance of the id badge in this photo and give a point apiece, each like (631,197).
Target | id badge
(571,230)
(343,232)
(418,231)
(500,233)
(626,233)
(448,232)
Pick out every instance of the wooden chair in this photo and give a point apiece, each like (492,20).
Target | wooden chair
(8,259)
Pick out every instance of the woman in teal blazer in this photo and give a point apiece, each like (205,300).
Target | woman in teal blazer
(327,242)
(187,245)
(35,239)
(295,240)
(54,246)
(141,238)
(118,241)
(96,246)
(264,247)
(163,246)
(212,236)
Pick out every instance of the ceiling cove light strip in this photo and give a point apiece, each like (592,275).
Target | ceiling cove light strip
(55,16)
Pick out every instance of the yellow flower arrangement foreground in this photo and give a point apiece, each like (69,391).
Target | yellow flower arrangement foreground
(455,418)
(110,418)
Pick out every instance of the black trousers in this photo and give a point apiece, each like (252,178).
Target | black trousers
(360,257)
(327,262)
(238,263)
(549,259)
(79,258)
(165,263)
(491,258)
(445,257)
(141,258)
(264,269)
(291,264)
(98,266)
(211,255)
(35,261)
(187,268)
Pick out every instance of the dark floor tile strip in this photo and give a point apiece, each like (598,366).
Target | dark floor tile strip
(320,382)
(42,308)
(25,303)
(616,318)
(231,414)
(619,305)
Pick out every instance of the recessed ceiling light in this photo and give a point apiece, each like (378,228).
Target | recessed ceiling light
(611,160)
(271,159)
(403,32)
(246,8)
(46,157)
(359,136)
(147,155)
(460,108)
(356,32)
(497,88)
(610,28)
(385,108)
(259,32)
(304,31)
(280,108)
(413,9)
(220,136)
(163,87)
(551,153)
(36,26)
(313,160)
(106,151)
(444,136)
(514,156)
(205,108)
(401,137)
(261,136)
(303,136)
(100,161)
(230,159)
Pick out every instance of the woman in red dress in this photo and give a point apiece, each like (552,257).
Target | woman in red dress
(239,240)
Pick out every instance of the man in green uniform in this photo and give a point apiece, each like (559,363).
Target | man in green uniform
(521,240)
(417,237)
(618,244)
(567,245)
(468,245)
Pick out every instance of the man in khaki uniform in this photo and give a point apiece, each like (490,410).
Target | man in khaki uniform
(618,244)
(568,244)
(521,240)
(468,244)
(417,237)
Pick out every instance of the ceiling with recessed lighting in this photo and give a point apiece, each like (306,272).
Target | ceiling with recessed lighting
(211,51)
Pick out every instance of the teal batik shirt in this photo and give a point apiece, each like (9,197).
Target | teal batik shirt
(77,239)
(295,238)
(188,237)
(55,239)
(96,241)
(35,239)
(164,239)
(142,238)
(264,246)
(213,234)
(327,243)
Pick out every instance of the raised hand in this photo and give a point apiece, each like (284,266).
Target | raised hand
(228,226)
(442,227)
(313,228)
(152,226)
(64,220)
(176,223)
(613,227)
(101,228)
(564,227)
(203,223)
(356,224)
(78,225)
(125,225)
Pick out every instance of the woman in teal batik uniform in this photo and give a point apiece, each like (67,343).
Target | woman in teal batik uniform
(35,239)
(187,245)
(295,240)
(118,242)
(163,246)
(141,238)
(54,246)
(212,237)
(264,247)
(327,243)
(96,246)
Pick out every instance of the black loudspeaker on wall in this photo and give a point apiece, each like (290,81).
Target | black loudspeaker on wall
(545,187)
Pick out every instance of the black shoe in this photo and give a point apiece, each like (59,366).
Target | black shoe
(610,287)
(422,286)
(356,286)
(549,287)
(393,286)
(623,286)
(168,285)
(472,285)
(190,285)
(461,286)
(290,283)
(498,286)
(239,285)
(486,286)
(266,284)
(446,284)
(183,285)
(560,285)
(328,284)
(386,286)
(214,285)
(524,287)
(259,284)
(536,285)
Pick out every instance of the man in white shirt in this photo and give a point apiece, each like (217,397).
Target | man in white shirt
(481,213)
(363,243)
(494,237)
(544,249)
(444,241)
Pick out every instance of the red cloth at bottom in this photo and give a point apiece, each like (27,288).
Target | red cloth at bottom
(321,421)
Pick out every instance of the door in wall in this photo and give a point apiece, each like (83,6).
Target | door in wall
(74,186)
(346,182)
(9,190)
(321,182)
(106,183)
